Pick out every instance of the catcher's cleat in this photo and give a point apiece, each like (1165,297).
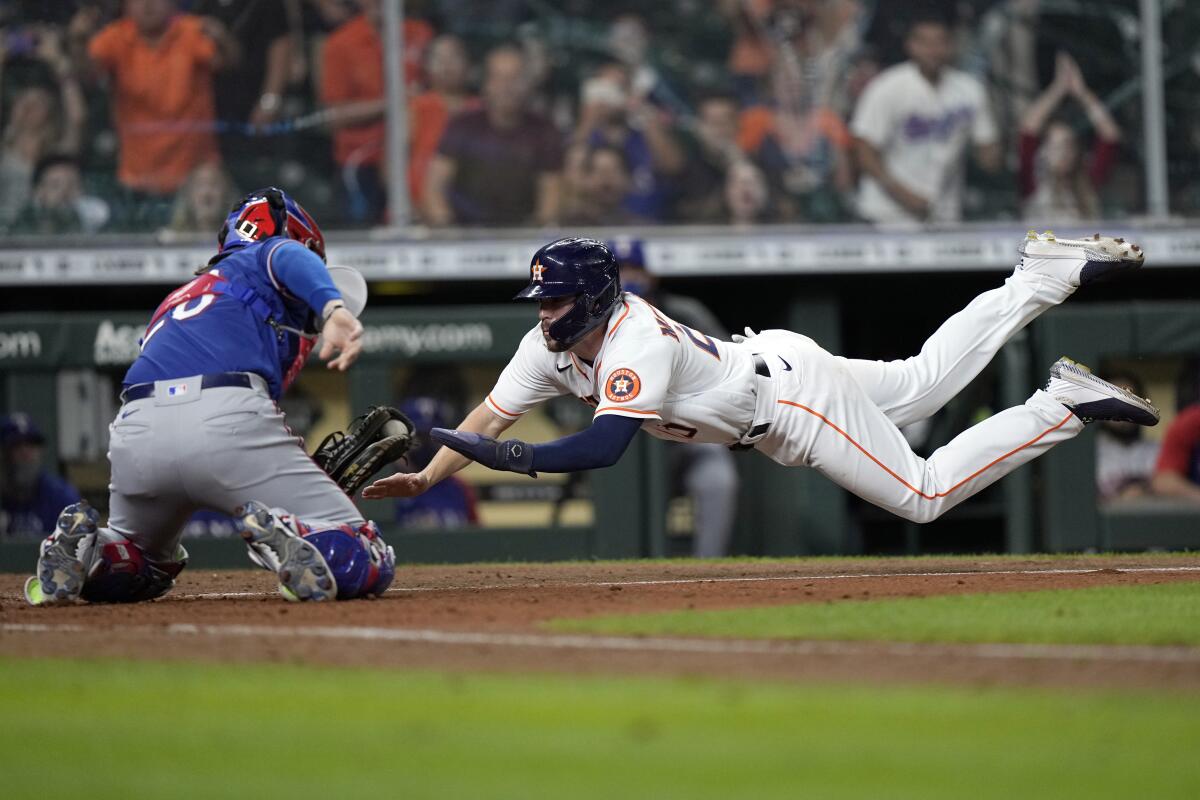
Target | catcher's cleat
(276,544)
(1091,398)
(65,557)
(1078,261)
(376,438)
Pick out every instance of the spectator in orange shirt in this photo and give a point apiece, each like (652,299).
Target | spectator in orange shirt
(352,86)
(448,67)
(807,152)
(160,65)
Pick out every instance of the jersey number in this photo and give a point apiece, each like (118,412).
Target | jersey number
(183,311)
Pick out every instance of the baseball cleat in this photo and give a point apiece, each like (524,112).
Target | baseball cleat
(276,544)
(65,557)
(1091,398)
(1078,261)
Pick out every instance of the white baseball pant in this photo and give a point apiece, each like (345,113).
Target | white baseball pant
(842,416)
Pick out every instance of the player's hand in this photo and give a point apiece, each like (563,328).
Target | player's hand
(511,455)
(342,334)
(739,338)
(402,484)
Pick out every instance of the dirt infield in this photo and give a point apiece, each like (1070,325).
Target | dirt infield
(486,617)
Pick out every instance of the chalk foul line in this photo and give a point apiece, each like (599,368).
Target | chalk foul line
(552,641)
(560,583)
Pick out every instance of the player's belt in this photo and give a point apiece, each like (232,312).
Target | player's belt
(140,391)
(760,429)
(760,366)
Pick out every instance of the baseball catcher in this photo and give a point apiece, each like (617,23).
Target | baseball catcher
(199,428)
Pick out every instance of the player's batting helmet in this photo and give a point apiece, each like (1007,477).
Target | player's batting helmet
(270,212)
(582,267)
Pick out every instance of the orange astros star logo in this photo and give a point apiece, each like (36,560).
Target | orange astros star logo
(623,385)
(537,269)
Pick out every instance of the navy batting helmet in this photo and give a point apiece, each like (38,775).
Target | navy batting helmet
(583,268)
(270,212)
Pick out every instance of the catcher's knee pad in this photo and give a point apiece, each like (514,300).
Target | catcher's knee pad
(123,574)
(361,562)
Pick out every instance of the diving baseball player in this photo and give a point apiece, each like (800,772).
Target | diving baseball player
(779,392)
(199,428)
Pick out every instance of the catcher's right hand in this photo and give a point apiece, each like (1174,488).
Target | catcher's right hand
(373,440)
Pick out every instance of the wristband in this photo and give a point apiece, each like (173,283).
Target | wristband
(329,313)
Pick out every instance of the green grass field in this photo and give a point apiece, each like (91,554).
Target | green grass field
(1155,614)
(123,729)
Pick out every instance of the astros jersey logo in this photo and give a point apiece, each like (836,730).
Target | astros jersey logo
(537,270)
(623,385)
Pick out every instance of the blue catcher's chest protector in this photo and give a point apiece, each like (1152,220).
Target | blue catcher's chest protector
(239,322)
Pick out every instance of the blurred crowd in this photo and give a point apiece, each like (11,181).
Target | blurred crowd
(151,115)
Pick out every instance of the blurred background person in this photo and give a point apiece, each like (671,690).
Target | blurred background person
(614,113)
(711,146)
(1054,182)
(250,93)
(448,504)
(795,130)
(1177,472)
(31,497)
(606,185)
(1124,458)
(912,127)
(448,68)
(44,117)
(747,195)
(159,64)
(352,88)
(58,204)
(501,164)
(706,473)
(203,202)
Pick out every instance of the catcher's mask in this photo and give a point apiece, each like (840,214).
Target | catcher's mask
(584,268)
(270,212)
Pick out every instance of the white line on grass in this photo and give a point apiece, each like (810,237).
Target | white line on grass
(1001,651)
(559,583)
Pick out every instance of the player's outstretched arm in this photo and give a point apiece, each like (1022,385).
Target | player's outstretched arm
(598,446)
(444,464)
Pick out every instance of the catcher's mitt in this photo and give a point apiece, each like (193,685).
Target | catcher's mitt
(378,437)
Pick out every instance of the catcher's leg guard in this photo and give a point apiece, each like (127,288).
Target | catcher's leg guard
(362,562)
(123,574)
(318,561)
(81,561)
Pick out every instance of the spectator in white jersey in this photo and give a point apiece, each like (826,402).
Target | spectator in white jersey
(911,130)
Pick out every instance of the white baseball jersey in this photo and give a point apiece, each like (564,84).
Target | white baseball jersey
(921,131)
(683,384)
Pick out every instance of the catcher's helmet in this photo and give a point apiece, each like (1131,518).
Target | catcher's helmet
(582,267)
(270,212)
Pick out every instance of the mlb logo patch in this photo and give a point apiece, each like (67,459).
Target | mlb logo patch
(623,385)
(176,389)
